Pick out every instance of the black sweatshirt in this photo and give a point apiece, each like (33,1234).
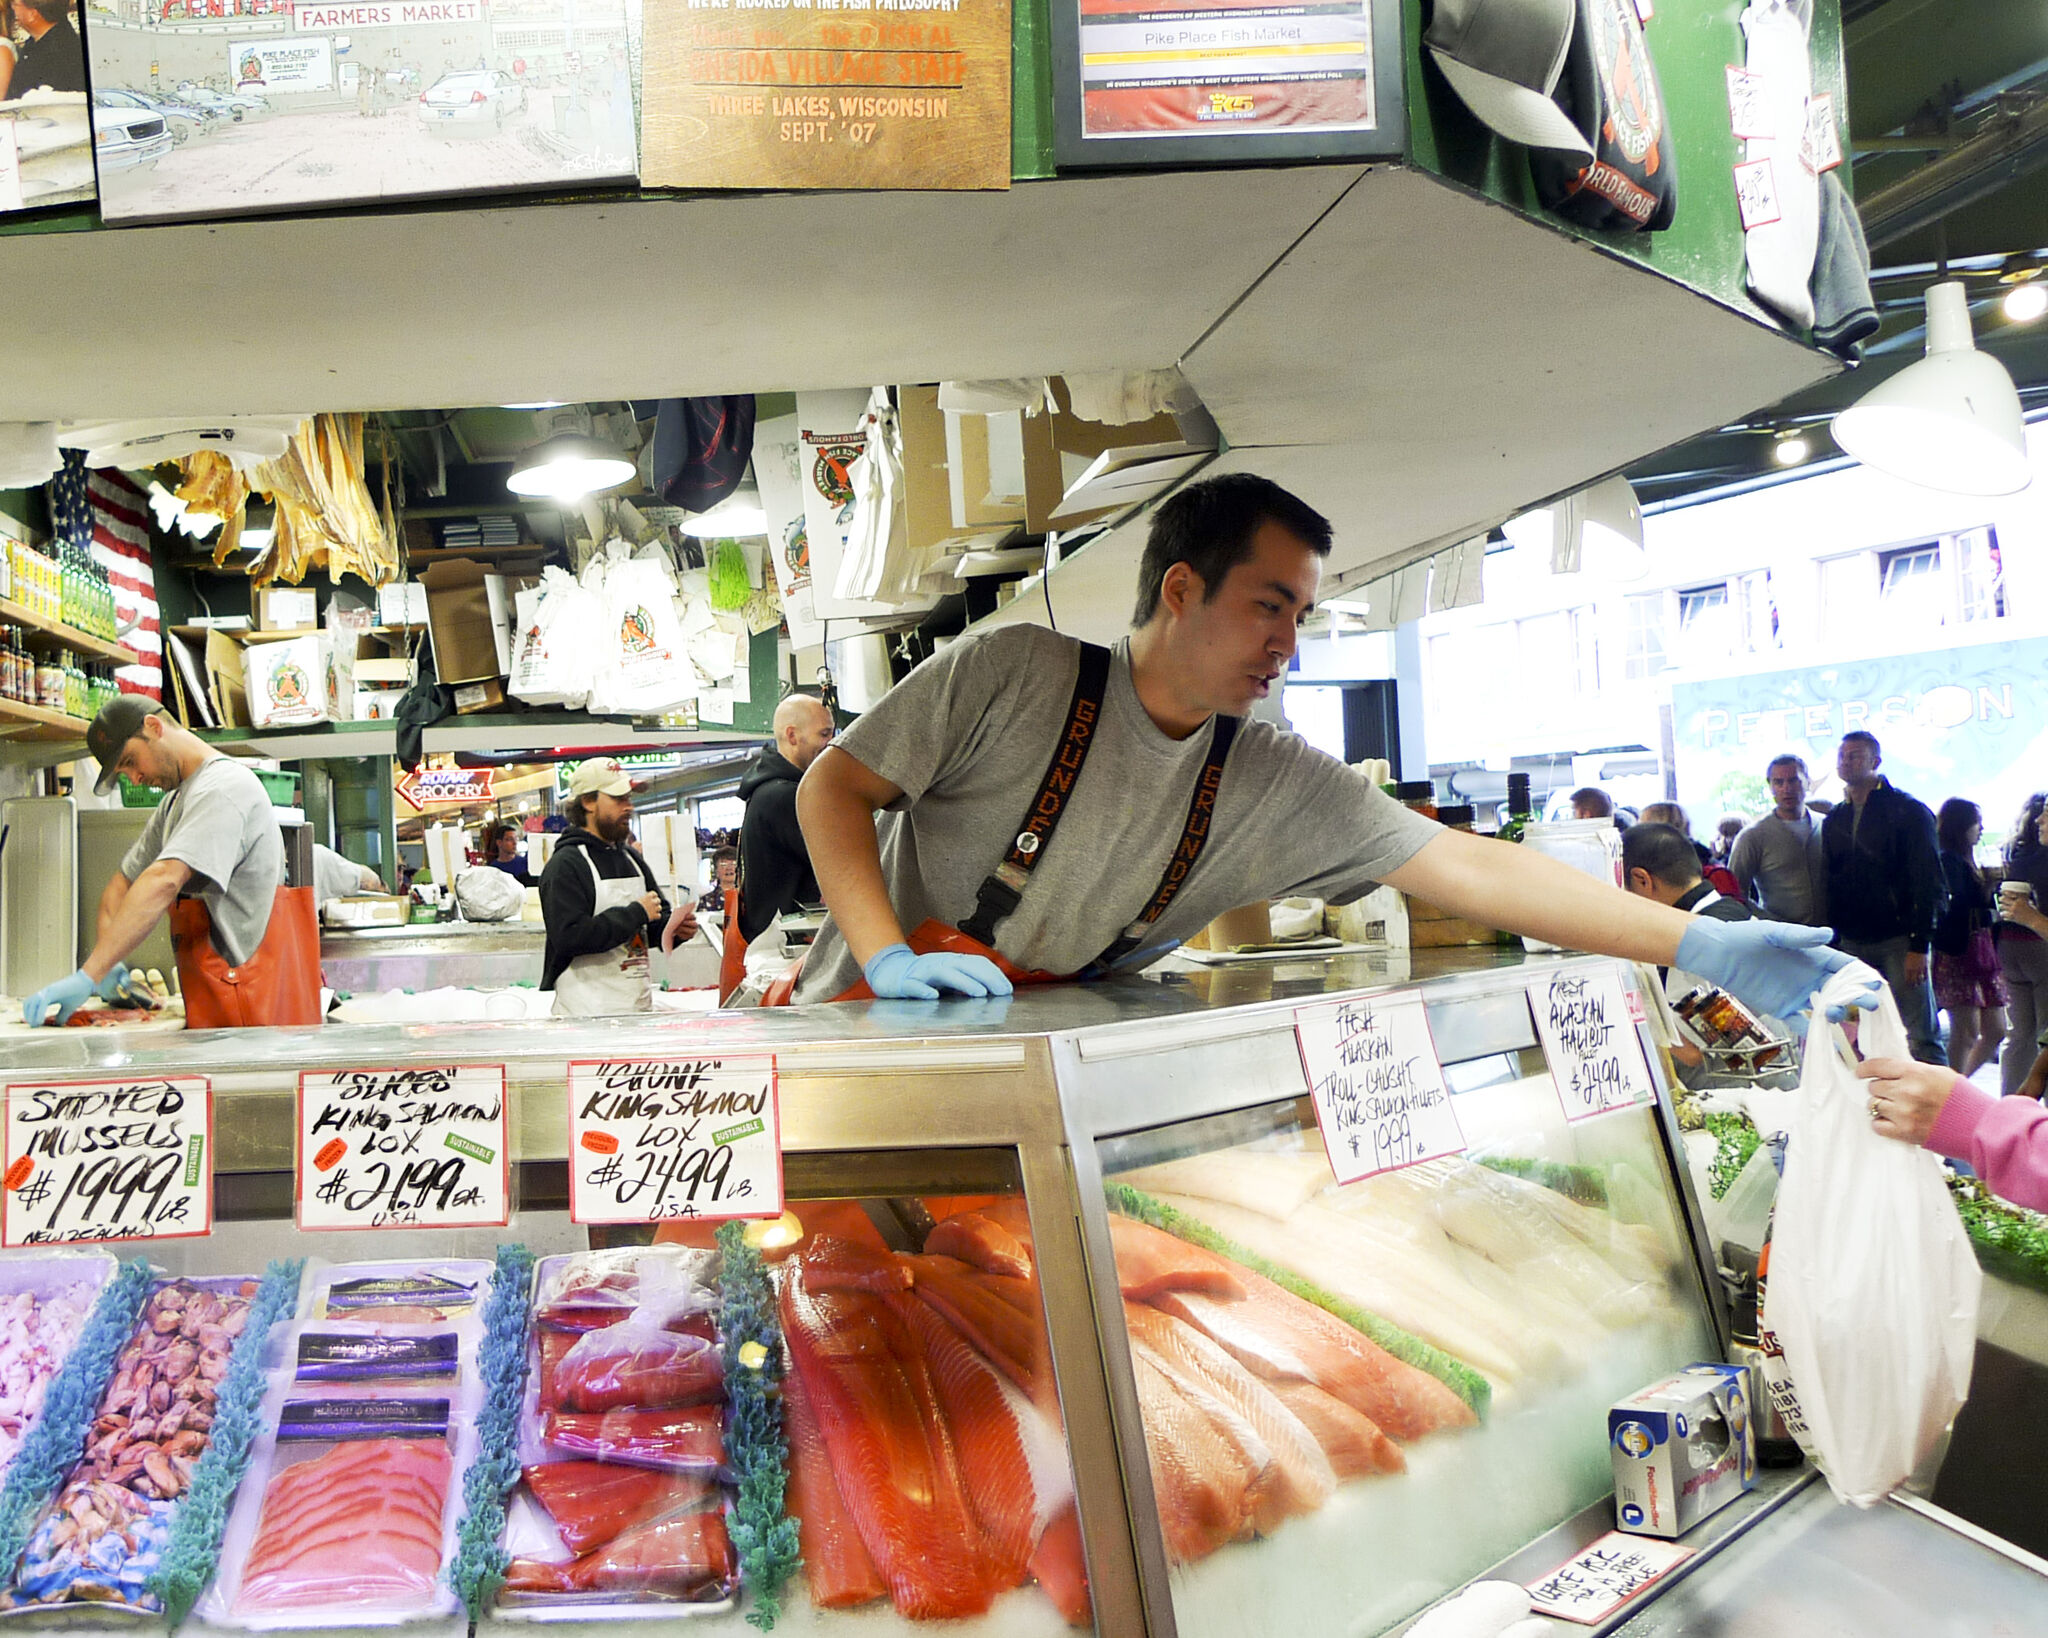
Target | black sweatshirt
(1884,875)
(568,895)
(775,865)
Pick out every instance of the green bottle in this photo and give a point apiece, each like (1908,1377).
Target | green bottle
(1518,816)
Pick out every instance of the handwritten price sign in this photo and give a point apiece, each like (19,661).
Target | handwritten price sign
(1604,1577)
(403,1148)
(108,1160)
(1596,1057)
(657,1138)
(1379,1090)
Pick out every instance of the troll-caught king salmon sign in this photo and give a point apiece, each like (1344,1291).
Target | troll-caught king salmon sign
(827,94)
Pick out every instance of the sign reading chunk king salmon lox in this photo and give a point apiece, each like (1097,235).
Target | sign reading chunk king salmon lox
(1378,1088)
(403,1148)
(652,1139)
(1589,1037)
(107,1160)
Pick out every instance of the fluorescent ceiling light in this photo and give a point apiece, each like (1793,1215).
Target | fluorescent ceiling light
(740,516)
(568,467)
(1950,422)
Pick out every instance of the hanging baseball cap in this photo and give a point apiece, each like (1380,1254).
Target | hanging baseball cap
(118,721)
(1503,58)
(600,776)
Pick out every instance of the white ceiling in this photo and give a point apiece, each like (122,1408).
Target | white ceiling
(642,298)
(1425,363)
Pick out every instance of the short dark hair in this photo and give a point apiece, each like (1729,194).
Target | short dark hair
(1209,527)
(51,11)
(1594,797)
(1665,851)
(1866,737)
(720,855)
(1953,823)
(1781,759)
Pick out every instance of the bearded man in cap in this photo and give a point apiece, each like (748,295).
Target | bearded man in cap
(212,858)
(600,903)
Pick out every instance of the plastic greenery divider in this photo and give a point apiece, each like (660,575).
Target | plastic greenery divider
(479,1564)
(55,1443)
(755,1449)
(1455,1374)
(193,1552)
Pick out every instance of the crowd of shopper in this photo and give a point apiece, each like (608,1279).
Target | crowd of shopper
(1902,889)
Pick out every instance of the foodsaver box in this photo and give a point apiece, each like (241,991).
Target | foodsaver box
(1683,1448)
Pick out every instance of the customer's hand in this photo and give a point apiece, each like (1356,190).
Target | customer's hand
(55,1003)
(895,974)
(1905,1096)
(651,903)
(1773,966)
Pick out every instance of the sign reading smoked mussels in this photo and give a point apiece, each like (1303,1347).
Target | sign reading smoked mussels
(826,94)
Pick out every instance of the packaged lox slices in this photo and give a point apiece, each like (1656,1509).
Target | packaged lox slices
(622,1442)
(45,1299)
(100,1540)
(350,1508)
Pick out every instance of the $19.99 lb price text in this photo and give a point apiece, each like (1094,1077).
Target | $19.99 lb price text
(107,1160)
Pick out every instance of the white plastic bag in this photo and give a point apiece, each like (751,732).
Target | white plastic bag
(1870,1312)
(873,566)
(643,668)
(555,650)
(487,893)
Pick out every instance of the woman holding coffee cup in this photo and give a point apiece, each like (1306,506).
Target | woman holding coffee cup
(2022,938)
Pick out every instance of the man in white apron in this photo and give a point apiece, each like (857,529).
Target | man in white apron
(599,900)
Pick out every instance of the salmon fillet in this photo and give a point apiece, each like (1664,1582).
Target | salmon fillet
(1354,1445)
(592,1502)
(360,1524)
(980,1242)
(1150,1261)
(836,1561)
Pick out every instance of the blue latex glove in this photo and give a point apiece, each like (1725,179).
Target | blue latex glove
(55,1003)
(124,987)
(895,974)
(1773,966)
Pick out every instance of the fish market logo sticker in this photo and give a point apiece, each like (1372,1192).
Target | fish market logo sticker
(636,633)
(796,554)
(1633,1439)
(1635,118)
(832,474)
(249,72)
(288,685)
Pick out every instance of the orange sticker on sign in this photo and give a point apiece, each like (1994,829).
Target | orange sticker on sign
(600,1143)
(19,1173)
(331,1155)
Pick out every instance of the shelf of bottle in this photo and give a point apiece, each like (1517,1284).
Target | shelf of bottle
(19,721)
(79,642)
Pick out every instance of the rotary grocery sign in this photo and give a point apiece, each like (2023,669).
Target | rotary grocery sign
(445,787)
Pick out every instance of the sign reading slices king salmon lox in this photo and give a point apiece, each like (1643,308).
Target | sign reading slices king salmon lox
(1379,1090)
(655,1139)
(826,94)
(403,1148)
(107,1160)
(1589,1038)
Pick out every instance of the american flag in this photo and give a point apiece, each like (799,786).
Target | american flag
(106,515)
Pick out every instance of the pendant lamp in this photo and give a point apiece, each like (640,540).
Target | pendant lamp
(1597,530)
(1951,421)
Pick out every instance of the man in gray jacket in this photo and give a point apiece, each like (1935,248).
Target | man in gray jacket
(1778,859)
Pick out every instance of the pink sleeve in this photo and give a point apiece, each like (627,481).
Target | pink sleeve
(2004,1139)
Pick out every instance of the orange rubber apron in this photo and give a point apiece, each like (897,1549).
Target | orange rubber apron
(1003,889)
(732,950)
(278,986)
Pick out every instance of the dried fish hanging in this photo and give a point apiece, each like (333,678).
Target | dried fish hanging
(213,486)
(325,516)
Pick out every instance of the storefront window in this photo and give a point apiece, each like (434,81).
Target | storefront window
(1980,575)
(1706,624)
(1645,653)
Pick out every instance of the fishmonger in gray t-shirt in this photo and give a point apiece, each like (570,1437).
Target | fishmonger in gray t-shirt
(220,824)
(966,737)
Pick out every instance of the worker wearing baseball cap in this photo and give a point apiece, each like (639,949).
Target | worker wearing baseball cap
(212,858)
(599,901)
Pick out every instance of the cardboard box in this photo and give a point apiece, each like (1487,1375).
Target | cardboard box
(459,621)
(366,910)
(299,681)
(1683,1448)
(375,704)
(402,603)
(382,670)
(487,695)
(227,679)
(1059,448)
(284,608)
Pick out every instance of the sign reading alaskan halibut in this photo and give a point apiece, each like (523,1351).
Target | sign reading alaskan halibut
(1587,1025)
(827,94)
(107,1160)
(403,1148)
(655,1139)
(265,105)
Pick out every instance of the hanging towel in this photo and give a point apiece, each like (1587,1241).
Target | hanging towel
(1844,313)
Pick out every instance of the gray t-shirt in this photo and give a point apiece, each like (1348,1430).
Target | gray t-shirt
(966,737)
(221,824)
(1782,867)
(335,875)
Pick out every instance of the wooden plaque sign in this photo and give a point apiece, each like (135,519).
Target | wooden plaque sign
(826,94)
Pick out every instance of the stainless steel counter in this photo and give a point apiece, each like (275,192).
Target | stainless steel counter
(484,955)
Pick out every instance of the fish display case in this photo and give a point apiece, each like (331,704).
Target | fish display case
(1067,1325)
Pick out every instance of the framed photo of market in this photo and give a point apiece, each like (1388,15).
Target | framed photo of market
(1152,83)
